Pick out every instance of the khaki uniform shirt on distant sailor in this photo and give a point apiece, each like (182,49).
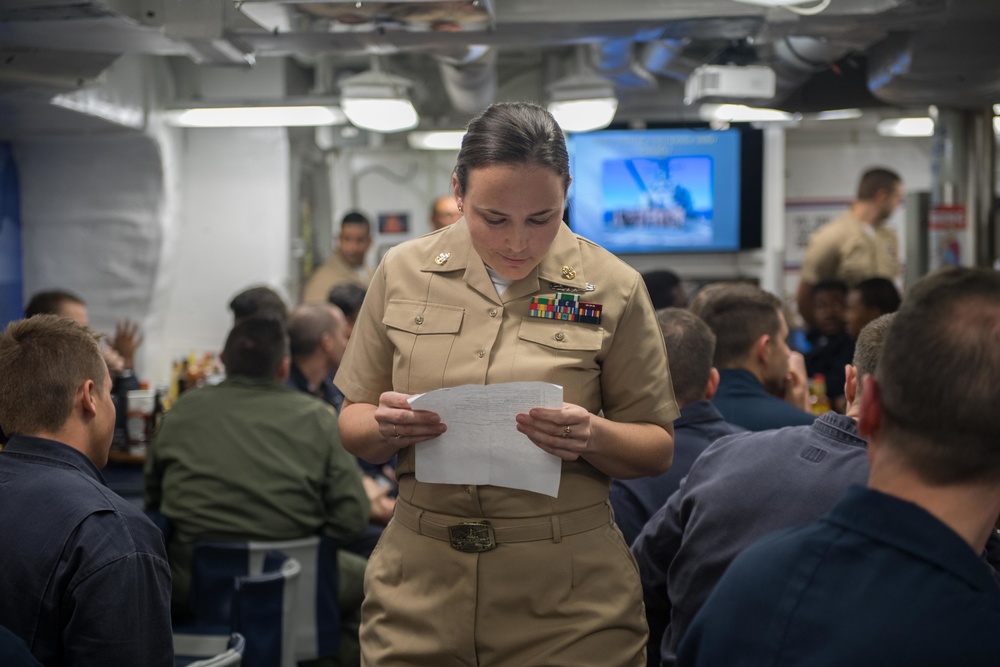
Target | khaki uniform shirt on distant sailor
(433,319)
(846,249)
(335,271)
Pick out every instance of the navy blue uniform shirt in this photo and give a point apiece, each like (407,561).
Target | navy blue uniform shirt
(636,500)
(742,400)
(83,573)
(740,489)
(326,391)
(878,582)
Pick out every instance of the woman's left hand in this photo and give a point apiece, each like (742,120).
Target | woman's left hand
(565,432)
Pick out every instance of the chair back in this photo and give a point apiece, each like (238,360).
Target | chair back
(229,596)
(315,622)
(259,602)
(231,657)
(318,619)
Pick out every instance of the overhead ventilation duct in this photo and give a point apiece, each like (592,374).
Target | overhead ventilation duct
(207,28)
(919,68)
(47,70)
(797,58)
(660,57)
(616,60)
(469,76)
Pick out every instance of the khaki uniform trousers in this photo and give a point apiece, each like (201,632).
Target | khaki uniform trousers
(568,600)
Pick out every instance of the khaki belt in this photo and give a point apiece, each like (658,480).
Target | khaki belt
(472,535)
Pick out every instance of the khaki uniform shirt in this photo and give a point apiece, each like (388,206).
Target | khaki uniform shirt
(433,319)
(846,249)
(335,271)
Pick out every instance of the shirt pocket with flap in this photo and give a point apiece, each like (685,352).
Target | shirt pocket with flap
(564,353)
(423,335)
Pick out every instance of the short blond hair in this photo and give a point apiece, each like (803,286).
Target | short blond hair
(43,361)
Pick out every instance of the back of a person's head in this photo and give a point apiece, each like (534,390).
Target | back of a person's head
(868,347)
(306,326)
(832,286)
(879,293)
(348,297)
(661,286)
(739,315)
(706,293)
(259,301)
(876,179)
(50,302)
(43,361)
(690,348)
(255,348)
(938,377)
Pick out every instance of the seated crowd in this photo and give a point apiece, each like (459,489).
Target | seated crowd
(778,536)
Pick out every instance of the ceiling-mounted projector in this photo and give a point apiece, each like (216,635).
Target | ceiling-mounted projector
(729,82)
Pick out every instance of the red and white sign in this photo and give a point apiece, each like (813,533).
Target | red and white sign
(947,218)
(946,230)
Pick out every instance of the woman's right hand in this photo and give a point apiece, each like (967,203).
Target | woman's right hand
(400,425)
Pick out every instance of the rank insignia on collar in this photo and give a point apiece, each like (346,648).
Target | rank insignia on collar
(442,258)
(565,306)
(568,272)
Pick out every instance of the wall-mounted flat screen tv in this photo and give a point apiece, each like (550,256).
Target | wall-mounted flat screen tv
(673,190)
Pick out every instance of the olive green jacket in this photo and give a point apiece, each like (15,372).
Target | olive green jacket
(251,459)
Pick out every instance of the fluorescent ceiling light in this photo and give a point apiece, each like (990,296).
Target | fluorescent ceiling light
(792,5)
(584,115)
(839,114)
(583,102)
(249,116)
(739,113)
(381,114)
(92,103)
(445,140)
(378,101)
(905,127)
(774,3)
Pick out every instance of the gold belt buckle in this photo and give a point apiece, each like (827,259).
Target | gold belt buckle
(472,536)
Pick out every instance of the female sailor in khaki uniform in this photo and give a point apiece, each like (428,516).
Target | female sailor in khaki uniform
(550,581)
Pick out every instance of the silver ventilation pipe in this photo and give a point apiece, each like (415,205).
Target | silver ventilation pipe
(797,58)
(616,60)
(469,76)
(660,56)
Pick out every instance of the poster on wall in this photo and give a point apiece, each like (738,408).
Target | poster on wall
(393,223)
(802,218)
(947,226)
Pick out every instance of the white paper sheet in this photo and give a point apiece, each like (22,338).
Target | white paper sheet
(482,444)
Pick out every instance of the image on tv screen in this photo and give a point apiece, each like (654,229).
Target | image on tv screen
(651,191)
(671,195)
